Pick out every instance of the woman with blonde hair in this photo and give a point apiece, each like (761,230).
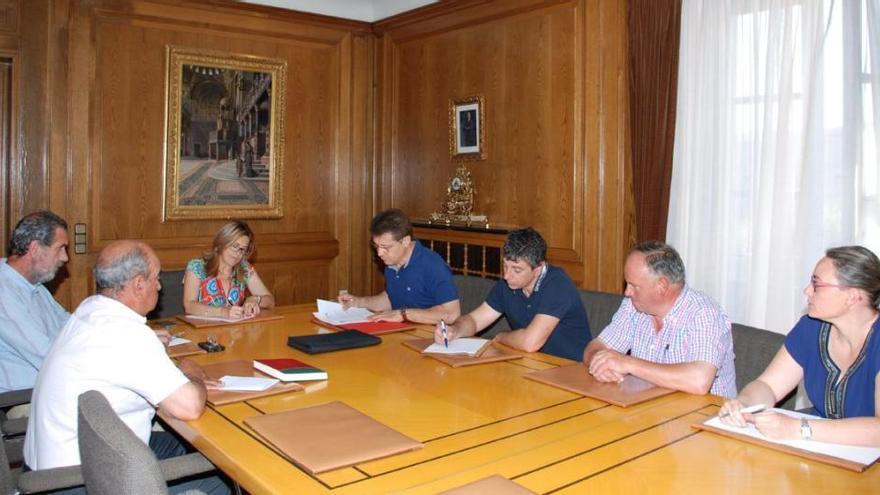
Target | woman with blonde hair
(218,283)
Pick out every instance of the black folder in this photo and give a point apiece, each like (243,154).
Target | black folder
(337,341)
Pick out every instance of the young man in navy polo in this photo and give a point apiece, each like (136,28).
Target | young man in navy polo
(418,283)
(540,301)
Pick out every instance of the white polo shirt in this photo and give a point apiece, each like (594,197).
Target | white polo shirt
(104,346)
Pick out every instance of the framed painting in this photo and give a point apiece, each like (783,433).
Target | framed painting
(224,138)
(467,136)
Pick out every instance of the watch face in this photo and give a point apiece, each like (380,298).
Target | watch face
(456,183)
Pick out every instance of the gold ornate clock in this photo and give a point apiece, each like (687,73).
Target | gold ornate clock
(459,203)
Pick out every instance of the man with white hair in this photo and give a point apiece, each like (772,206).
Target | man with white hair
(676,336)
(107,346)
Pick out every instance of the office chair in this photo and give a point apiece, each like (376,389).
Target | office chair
(115,460)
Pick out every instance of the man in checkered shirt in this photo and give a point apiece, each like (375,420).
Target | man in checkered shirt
(676,336)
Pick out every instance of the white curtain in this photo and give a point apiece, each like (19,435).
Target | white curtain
(776,147)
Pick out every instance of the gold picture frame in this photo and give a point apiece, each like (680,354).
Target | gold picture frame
(224,133)
(467,128)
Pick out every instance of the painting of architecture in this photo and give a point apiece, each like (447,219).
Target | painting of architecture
(224,136)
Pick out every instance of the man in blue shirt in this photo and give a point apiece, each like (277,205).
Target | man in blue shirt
(30,318)
(418,283)
(540,301)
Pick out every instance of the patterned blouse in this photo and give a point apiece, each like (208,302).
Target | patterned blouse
(210,290)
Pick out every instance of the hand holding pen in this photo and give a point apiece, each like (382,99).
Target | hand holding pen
(442,332)
(735,414)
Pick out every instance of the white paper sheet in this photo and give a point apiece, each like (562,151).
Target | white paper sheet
(467,346)
(247,383)
(178,341)
(863,455)
(332,313)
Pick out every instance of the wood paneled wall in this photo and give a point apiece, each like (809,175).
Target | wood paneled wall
(107,114)
(366,126)
(555,81)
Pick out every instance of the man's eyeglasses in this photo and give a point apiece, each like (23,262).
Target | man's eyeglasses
(816,285)
(238,249)
(384,247)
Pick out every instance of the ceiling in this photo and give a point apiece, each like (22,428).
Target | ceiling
(359,10)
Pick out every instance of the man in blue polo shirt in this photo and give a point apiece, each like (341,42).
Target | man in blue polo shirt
(418,283)
(539,300)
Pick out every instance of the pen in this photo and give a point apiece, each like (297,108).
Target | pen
(751,409)
(443,329)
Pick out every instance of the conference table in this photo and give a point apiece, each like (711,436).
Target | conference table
(478,421)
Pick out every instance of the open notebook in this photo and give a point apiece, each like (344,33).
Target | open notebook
(845,456)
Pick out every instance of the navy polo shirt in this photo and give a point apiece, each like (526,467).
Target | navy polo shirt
(424,282)
(554,295)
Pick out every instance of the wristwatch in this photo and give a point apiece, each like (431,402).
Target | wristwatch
(403,314)
(806,431)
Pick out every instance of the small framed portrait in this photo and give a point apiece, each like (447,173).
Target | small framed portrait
(224,135)
(467,136)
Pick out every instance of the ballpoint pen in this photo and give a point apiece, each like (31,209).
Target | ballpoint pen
(443,329)
(750,409)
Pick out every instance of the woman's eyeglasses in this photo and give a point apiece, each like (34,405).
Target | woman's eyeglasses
(816,285)
(238,249)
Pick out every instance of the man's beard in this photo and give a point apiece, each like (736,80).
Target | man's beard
(41,276)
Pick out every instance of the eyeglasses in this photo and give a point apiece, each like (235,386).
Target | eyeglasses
(238,249)
(384,247)
(816,285)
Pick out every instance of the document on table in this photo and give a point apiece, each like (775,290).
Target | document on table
(247,383)
(178,341)
(219,318)
(331,312)
(467,346)
(861,455)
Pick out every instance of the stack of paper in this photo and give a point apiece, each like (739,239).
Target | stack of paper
(332,313)
(848,456)
(247,383)
(466,346)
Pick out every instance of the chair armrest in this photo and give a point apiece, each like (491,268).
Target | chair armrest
(185,465)
(50,479)
(13,427)
(15,397)
(14,450)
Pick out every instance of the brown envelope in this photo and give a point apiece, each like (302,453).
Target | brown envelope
(188,349)
(241,367)
(575,378)
(195,321)
(330,436)
(495,484)
(490,354)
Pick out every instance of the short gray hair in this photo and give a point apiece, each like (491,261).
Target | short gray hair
(115,273)
(38,226)
(858,267)
(663,260)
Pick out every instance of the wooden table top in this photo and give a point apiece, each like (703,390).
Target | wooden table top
(482,420)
